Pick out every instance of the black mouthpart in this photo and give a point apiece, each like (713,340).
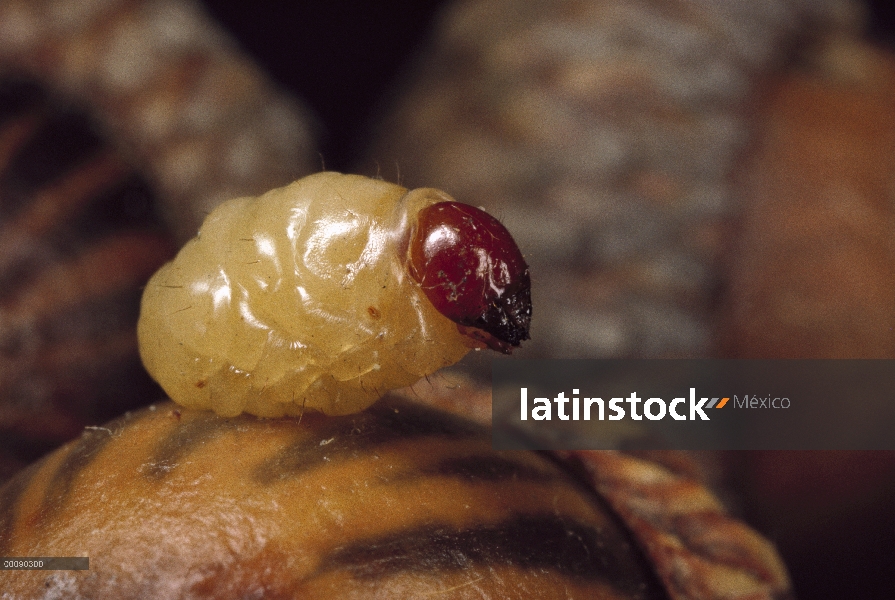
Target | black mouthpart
(509,317)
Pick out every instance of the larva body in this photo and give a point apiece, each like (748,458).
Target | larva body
(298,299)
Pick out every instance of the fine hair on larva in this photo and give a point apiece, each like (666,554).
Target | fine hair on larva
(297,299)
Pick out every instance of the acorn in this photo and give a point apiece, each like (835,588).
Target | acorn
(400,500)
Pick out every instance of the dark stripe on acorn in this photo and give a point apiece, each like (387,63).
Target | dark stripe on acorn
(535,542)
(80,455)
(389,420)
(488,468)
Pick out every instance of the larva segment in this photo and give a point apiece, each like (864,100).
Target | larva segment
(267,310)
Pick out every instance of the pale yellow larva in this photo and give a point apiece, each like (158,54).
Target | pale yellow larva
(301,299)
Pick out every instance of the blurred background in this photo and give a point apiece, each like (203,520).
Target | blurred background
(371,46)
(686,179)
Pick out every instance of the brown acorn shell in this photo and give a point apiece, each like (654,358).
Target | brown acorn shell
(398,501)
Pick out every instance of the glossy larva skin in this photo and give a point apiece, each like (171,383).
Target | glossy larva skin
(297,299)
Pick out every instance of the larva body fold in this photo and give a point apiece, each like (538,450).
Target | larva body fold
(297,299)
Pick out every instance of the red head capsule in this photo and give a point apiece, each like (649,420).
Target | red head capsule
(473,273)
